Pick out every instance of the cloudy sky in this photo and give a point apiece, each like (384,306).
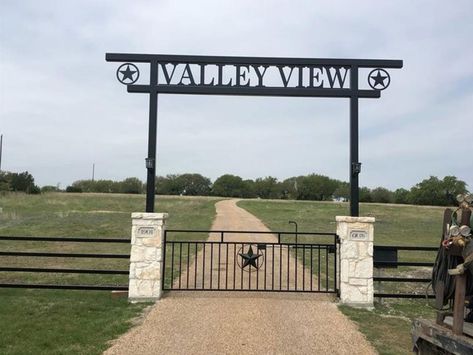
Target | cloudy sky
(62,109)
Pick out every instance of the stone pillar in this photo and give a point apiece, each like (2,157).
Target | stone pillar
(356,260)
(146,262)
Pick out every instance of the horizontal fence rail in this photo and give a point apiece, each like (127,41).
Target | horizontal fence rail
(249,261)
(66,239)
(65,255)
(403,295)
(386,256)
(382,264)
(71,255)
(66,287)
(67,271)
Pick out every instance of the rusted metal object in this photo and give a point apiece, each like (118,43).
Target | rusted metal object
(431,338)
(451,278)
(459,304)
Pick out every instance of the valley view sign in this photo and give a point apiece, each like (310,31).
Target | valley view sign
(253,76)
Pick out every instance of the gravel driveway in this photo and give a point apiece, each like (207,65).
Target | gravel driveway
(241,322)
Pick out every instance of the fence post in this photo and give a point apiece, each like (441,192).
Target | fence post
(356,260)
(146,258)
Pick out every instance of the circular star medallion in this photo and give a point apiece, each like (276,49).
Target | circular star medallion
(250,256)
(128,73)
(379,79)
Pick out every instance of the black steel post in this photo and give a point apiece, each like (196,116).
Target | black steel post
(377,83)
(152,132)
(296,228)
(354,164)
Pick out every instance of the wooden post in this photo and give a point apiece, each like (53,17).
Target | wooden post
(439,294)
(459,304)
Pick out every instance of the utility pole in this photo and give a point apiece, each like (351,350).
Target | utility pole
(93,171)
(1,148)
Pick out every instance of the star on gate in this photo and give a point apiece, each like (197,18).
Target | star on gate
(128,73)
(250,258)
(380,81)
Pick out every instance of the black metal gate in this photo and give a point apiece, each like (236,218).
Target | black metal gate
(197,260)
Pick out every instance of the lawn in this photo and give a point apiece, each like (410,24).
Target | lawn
(63,322)
(388,326)
(395,224)
(79,322)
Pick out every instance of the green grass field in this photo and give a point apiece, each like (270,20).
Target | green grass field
(64,322)
(388,326)
(75,322)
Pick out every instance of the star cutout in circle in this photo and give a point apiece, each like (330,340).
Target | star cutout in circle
(379,81)
(250,258)
(128,73)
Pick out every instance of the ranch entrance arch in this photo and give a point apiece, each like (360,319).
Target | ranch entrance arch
(253,76)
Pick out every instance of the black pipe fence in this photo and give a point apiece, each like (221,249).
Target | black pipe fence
(386,258)
(21,255)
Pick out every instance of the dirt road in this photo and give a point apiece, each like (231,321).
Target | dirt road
(219,266)
(232,323)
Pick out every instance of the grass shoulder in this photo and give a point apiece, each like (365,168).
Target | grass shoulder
(77,322)
(388,326)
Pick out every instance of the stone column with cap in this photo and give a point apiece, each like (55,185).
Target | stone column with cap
(146,259)
(356,260)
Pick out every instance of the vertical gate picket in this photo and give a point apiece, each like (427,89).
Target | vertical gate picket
(321,279)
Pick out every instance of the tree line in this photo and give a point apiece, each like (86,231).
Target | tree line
(315,187)
(23,182)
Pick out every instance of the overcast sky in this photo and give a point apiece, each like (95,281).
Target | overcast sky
(62,108)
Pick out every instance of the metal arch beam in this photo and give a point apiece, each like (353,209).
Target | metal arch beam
(353,93)
(202,59)
(250,91)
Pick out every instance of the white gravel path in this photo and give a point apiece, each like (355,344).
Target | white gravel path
(234,323)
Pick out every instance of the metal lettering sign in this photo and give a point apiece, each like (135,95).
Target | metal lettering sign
(358,235)
(253,76)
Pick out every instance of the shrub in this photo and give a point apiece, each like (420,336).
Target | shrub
(72,188)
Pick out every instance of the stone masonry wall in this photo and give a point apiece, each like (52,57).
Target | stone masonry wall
(146,256)
(356,260)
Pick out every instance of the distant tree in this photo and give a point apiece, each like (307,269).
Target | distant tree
(365,195)
(343,191)
(23,182)
(453,187)
(433,191)
(105,186)
(401,196)
(267,187)
(168,185)
(102,186)
(35,190)
(185,184)
(131,185)
(229,186)
(316,187)
(193,185)
(49,188)
(382,195)
(4,181)
(160,184)
(249,189)
(290,187)
(72,188)
(82,186)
